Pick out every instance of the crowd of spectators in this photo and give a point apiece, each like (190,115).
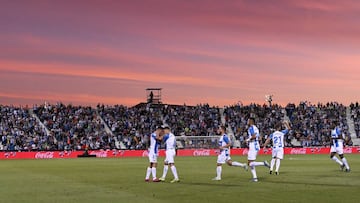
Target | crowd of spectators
(312,123)
(133,125)
(74,127)
(199,120)
(67,127)
(21,131)
(266,117)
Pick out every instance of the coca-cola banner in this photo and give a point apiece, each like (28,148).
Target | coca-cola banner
(144,153)
(74,154)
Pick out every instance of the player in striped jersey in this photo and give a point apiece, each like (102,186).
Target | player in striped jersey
(337,146)
(254,147)
(224,154)
(170,144)
(277,138)
(155,139)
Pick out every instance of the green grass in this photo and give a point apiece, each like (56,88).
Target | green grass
(303,178)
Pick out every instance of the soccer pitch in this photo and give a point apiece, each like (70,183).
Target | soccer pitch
(303,178)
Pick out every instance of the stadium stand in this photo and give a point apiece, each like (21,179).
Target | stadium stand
(200,120)
(75,127)
(21,131)
(236,117)
(67,127)
(354,114)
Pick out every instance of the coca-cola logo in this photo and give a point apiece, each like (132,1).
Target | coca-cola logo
(44,155)
(102,154)
(298,151)
(145,153)
(204,152)
(348,150)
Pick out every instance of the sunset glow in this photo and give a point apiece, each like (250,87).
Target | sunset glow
(218,52)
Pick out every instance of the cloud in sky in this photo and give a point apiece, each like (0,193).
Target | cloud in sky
(89,52)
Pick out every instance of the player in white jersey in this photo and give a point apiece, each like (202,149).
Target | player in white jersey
(337,146)
(155,139)
(277,138)
(254,147)
(170,144)
(224,153)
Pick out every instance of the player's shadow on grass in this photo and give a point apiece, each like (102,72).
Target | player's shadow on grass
(281,173)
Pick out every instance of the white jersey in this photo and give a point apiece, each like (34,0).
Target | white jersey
(154,144)
(278,138)
(170,145)
(254,144)
(223,141)
(224,155)
(170,141)
(337,140)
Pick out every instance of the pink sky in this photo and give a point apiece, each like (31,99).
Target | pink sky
(200,51)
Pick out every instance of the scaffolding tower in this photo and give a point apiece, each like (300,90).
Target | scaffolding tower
(153,95)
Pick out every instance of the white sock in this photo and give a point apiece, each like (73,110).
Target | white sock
(253,171)
(148,171)
(153,172)
(173,169)
(272,163)
(277,165)
(254,163)
(346,163)
(235,163)
(337,160)
(218,171)
(166,168)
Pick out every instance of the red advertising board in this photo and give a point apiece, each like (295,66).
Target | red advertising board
(144,153)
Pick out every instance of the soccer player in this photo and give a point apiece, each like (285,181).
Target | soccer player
(277,138)
(155,139)
(254,146)
(170,144)
(224,154)
(337,146)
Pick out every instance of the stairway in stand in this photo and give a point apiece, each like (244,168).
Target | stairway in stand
(350,123)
